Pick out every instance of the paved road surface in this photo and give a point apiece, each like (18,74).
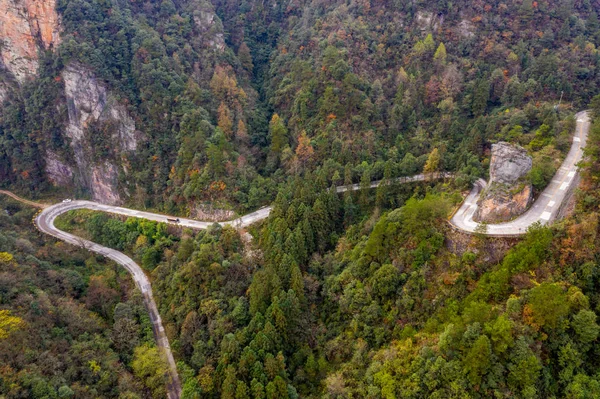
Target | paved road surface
(45,222)
(243,221)
(545,209)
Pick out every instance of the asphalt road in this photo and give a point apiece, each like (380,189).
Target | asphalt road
(45,222)
(545,209)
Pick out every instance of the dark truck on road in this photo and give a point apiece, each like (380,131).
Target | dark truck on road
(173,220)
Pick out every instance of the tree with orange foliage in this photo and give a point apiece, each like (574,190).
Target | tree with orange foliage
(224,120)
(304,150)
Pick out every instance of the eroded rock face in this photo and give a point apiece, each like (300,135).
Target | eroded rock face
(509,163)
(428,21)
(58,172)
(209,25)
(508,193)
(88,101)
(104,184)
(25,27)
(3,92)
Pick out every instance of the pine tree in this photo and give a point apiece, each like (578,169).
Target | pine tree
(297,282)
(481,97)
(304,150)
(433,162)
(224,120)
(241,134)
(429,43)
(245,57)
(279,135)
(365,184)
(229,384)
(440,54)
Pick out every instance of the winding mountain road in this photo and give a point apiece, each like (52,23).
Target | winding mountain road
(45,222)
(544,210)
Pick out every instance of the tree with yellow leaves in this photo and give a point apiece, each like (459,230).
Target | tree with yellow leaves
(224,122)
(5,257)
(9,323)
(433,162)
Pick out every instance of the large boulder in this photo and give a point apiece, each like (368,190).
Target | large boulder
(509,193)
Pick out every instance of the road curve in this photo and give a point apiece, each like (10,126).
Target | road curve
(240,222)
(46,218)
(545,209)
(45,222)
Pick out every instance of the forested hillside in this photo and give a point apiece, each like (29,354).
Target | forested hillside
(225,100)
(371,294)
(207,108)
(71,325)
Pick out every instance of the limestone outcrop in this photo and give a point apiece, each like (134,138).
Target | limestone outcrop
(209,25)
(89,102)
(26,26)
(508,193)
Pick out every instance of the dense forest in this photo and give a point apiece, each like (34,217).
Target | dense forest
(368,295)
(71,325)
(365,294)
(233,97)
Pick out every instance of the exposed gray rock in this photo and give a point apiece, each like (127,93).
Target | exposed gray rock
(7,81)
(104,183)
(89,101)
(509,163)
(210,213)
(209,25)
(427,21)
(466,28)
(58,172)
(3,92)
(508,193)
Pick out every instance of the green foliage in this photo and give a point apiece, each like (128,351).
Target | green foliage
(61,308)
(585,326)
(149,366)
(547,305)
(333,298)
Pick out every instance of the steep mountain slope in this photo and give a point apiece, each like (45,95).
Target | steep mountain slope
(190,104)
(160,75)
(348,82)
(26,28)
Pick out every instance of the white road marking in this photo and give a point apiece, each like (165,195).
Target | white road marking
(546,216)
(564,186)
(571,173)
(551,204)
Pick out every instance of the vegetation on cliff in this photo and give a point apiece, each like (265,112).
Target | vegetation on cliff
(338,295)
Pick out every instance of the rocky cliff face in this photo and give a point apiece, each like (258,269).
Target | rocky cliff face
(88,101)
(25,27)
(210,27)
(508,194)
